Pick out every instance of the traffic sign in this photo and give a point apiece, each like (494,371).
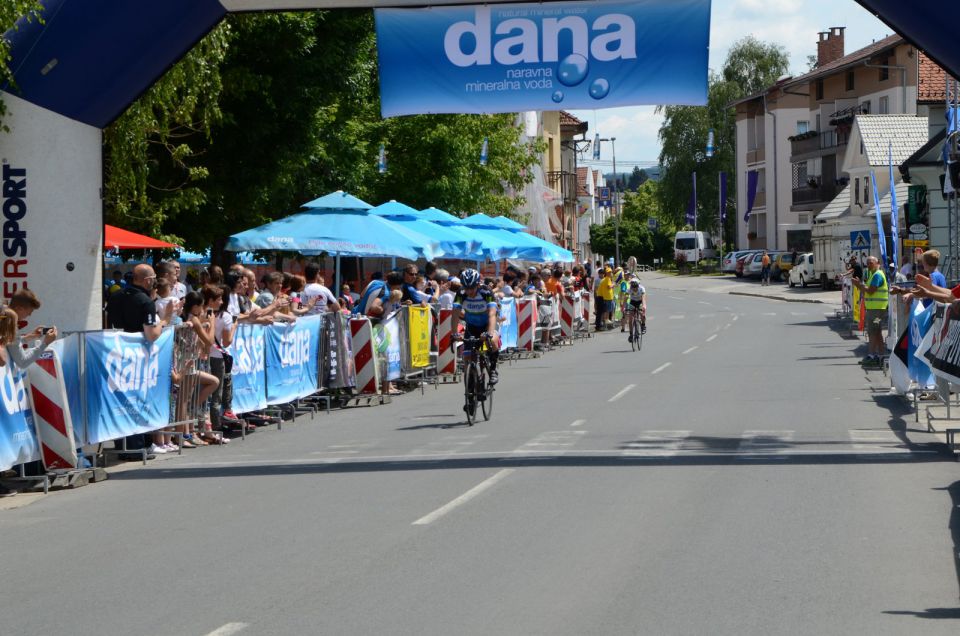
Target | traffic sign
(915,243)
(860,240)
(604,196)
(652,223)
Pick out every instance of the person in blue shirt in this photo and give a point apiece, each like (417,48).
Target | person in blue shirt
(930,260)
(477,306)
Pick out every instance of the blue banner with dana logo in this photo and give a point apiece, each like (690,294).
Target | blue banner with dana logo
(249,369)
(292,352)
(18,438)
(559,55)
(68,348)
(920,321)
(127,384)
(508,323)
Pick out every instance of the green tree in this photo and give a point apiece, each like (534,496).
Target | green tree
(637,178)
(750,67)
(10,12)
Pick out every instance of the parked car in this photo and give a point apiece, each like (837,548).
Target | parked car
(729,264)
(752,270)
(803,273)
(742,262)
(782,266)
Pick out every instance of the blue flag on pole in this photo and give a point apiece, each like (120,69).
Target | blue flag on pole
(894,214)
(753,180)
(692,204)
(881,236)
(723,197)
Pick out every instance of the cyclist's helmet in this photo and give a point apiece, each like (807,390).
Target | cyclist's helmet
(634,283)
(470,278)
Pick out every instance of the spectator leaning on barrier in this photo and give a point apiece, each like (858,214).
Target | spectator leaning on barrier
(929,262)
(272,284)
(316,293)
(409,292)
(223,329)
(203,326)
(876,299)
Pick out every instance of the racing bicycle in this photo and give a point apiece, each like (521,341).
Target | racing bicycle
(476,387)
(636,333)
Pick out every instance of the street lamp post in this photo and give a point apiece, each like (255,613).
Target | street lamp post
(616,197)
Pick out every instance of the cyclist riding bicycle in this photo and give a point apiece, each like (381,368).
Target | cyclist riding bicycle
(636,301)
(478,307)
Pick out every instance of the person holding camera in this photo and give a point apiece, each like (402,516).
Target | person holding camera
(23,303)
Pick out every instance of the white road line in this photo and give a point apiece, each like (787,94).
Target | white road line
(703,302)
(707,315)
(578,422)
(712,338)
(770,313)
(622,392)
(735,317)
(728,325)
(676,298)
(677,317)
(464,498)
(693,348)
(656,444)
(228,629)
(660,368)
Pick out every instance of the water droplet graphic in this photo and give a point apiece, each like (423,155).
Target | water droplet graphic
(572,70)
(599,88)
(557,96)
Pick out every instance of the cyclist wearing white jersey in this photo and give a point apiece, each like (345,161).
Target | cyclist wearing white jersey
(635,300)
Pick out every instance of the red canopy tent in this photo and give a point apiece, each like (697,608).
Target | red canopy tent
(119,239)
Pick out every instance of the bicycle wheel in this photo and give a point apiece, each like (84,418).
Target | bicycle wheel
(470,381)
(486,400)
(634,334)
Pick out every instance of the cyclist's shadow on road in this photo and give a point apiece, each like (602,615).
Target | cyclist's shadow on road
(945,612)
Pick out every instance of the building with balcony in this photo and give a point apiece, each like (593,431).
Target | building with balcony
(811,119)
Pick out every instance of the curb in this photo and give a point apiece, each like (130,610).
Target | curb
(786,300)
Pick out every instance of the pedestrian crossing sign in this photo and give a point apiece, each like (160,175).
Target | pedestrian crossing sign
(860,240)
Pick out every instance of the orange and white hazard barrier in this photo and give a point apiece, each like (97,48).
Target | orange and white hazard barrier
(446,355)
(566,317)
(526,324)
(51,413)
(364,357)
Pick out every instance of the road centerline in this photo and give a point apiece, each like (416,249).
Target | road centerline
(660,368)
(712,338)
(228,629)
(464,498)
(691,349)
(622,392)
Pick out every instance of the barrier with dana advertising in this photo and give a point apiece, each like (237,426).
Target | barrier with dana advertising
(292,359)
(508,323)
(127,384)
(337,371)
(18,439)
(249,368)
(68,348)
(387,337)
(920,323)
(419,326)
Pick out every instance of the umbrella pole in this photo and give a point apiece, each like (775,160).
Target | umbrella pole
(336,276)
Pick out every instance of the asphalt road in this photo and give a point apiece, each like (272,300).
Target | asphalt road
(740,475)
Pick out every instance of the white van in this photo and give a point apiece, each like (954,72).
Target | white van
(695,246)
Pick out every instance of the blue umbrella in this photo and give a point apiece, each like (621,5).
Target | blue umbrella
(455,244)
(505,223)
(337,224)
(523,245)
(489,246)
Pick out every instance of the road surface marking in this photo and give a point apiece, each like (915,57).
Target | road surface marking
(228,629)
(676,298)
(727,326)
(551,442)
(707,315)
(464,498)
(712,338)
(736,317)
(622,392)
(766,442)
(770,313)
(450,445)
(578,422)
(693,348)
(677,317)
(877,441)
(660,368)
(703,302)
(797,313)
(656,444)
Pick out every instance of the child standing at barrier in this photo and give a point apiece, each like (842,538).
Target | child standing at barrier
(193,315)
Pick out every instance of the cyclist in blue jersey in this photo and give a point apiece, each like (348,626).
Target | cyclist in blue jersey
(478,307)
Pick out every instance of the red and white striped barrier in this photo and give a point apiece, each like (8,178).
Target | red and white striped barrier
(526,324)
(51,413)
(566,317)
(446,354)
(364,357)
(585,300)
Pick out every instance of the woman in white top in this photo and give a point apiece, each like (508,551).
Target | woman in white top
(223,330)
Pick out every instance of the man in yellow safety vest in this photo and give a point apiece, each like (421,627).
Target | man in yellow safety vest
(876,298)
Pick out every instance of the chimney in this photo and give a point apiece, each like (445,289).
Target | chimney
(830,46)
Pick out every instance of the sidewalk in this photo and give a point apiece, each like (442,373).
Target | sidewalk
(740,287)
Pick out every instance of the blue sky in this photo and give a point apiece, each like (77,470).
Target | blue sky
(794,24)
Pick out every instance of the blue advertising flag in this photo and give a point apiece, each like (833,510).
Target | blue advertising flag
(249,370)
(881,235)
(517,57)
(753,181)
(920,321)
(18,438)
(692,203)
(894,215)
(508,323)
(128,384)
(484,149)
(291,359)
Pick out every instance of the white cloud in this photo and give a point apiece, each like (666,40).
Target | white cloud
(793,24)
